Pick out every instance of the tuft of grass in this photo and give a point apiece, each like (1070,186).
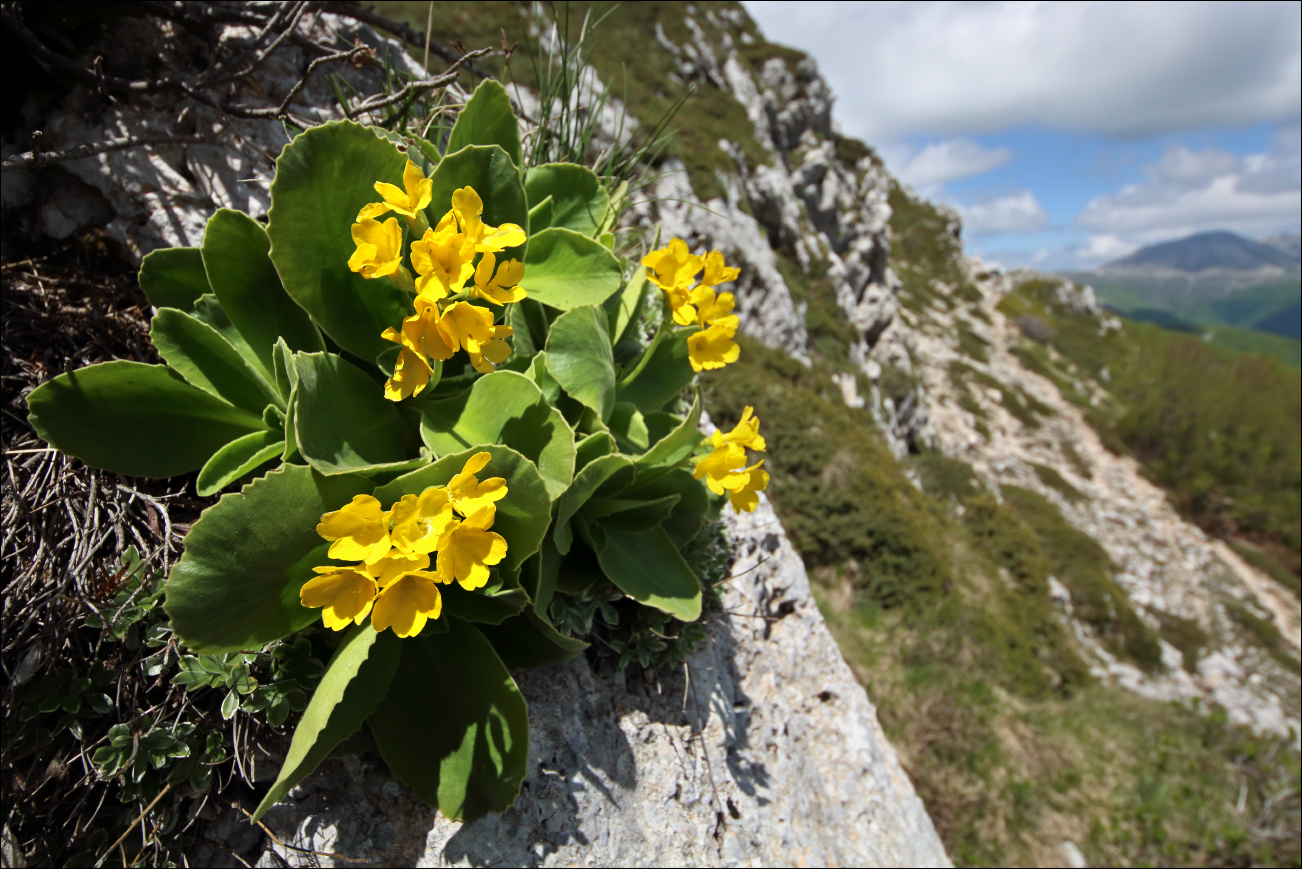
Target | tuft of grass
(1267,564)
(1185,635)
(972,345)
(1265,634)
(1055,481)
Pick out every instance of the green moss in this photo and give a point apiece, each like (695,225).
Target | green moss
(838,490)
(944,478)
(1086,570)
(1054,480)
(849,151)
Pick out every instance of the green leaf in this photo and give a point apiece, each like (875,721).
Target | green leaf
(238,458)
(566,269)
(323,178)
(202,356)
(493,175)
(355,681)
(631,514)
(579,358)
(593,446)
(487,119)
(540,214)
(522,516)
(529,320)
(579,201)
(528,640)
(666,375)
(453,726)
(689,513)
(675,446)
(236,586)
(242,276)
(628,425)
(342,421)
(208,310)
(135,419)
(173,277)
(586,483)
(476,606)
(647,567)
(538,373)
(507,408)
(629,309)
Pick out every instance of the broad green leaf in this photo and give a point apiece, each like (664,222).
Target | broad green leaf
(476,606)
(355,681)
(238,458)
(173,277)
(538,373)
(540,215)
(586,483)
(691,510)
(236,587)
(628,425)
(342,421)
(627,514)
(323,178)
(529,320)
(666,375)
(453,726)
(528,640)
(647,567)
(504,408)
(594,445)
(414,148)
(493,175)
(522,516)
(208,310)
(579,202)
(566,269)
(241,275)
(135,419)
(203,357)
(629,310)
(487,119)
(579,357)
(675,446)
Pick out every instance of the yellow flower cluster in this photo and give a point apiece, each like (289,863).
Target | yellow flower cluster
(392,550)
(673,268)
(443,258)
(724,468)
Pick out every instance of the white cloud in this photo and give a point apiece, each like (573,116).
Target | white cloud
(1104,247)
(1190,191)
(1020,212)
(939,163)
(1133,69)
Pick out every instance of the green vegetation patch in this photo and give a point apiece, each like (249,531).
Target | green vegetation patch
(1263,633)
(1055,481)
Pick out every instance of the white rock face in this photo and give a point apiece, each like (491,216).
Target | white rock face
(764,751)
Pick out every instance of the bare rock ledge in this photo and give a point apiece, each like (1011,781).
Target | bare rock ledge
(764,752)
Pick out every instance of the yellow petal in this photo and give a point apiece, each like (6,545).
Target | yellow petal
(344,595)
(406,604)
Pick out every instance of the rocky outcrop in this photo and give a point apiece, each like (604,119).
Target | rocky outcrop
(763,751)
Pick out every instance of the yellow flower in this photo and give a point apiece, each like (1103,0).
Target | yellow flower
(495,351)
(744,485)
(360,530)
(468,495)
(502,288)
(407,202)
(443,260)
(421,340)
(712,309)
(465,325)
(379,247)
(419,521)
(672,266)
(745,432)
(344,593)
(719,464)
(680,303)
(372,211)
(716,272)
(713,347)
(468,548)
(409,595)
(468,209)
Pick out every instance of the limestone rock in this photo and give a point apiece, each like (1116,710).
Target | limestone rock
(764,751)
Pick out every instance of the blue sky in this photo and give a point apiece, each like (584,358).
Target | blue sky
(1068,134)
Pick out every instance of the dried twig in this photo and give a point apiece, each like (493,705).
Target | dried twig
(35,159)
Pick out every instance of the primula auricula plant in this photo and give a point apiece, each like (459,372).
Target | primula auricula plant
(440,411)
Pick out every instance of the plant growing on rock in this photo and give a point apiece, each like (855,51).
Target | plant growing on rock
(441,413)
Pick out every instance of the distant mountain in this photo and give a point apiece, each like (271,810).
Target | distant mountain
(1290,244)
(1209,250)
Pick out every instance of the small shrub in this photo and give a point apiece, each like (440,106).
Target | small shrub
(1054,480)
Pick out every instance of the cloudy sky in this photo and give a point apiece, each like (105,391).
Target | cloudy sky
(1071,133)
